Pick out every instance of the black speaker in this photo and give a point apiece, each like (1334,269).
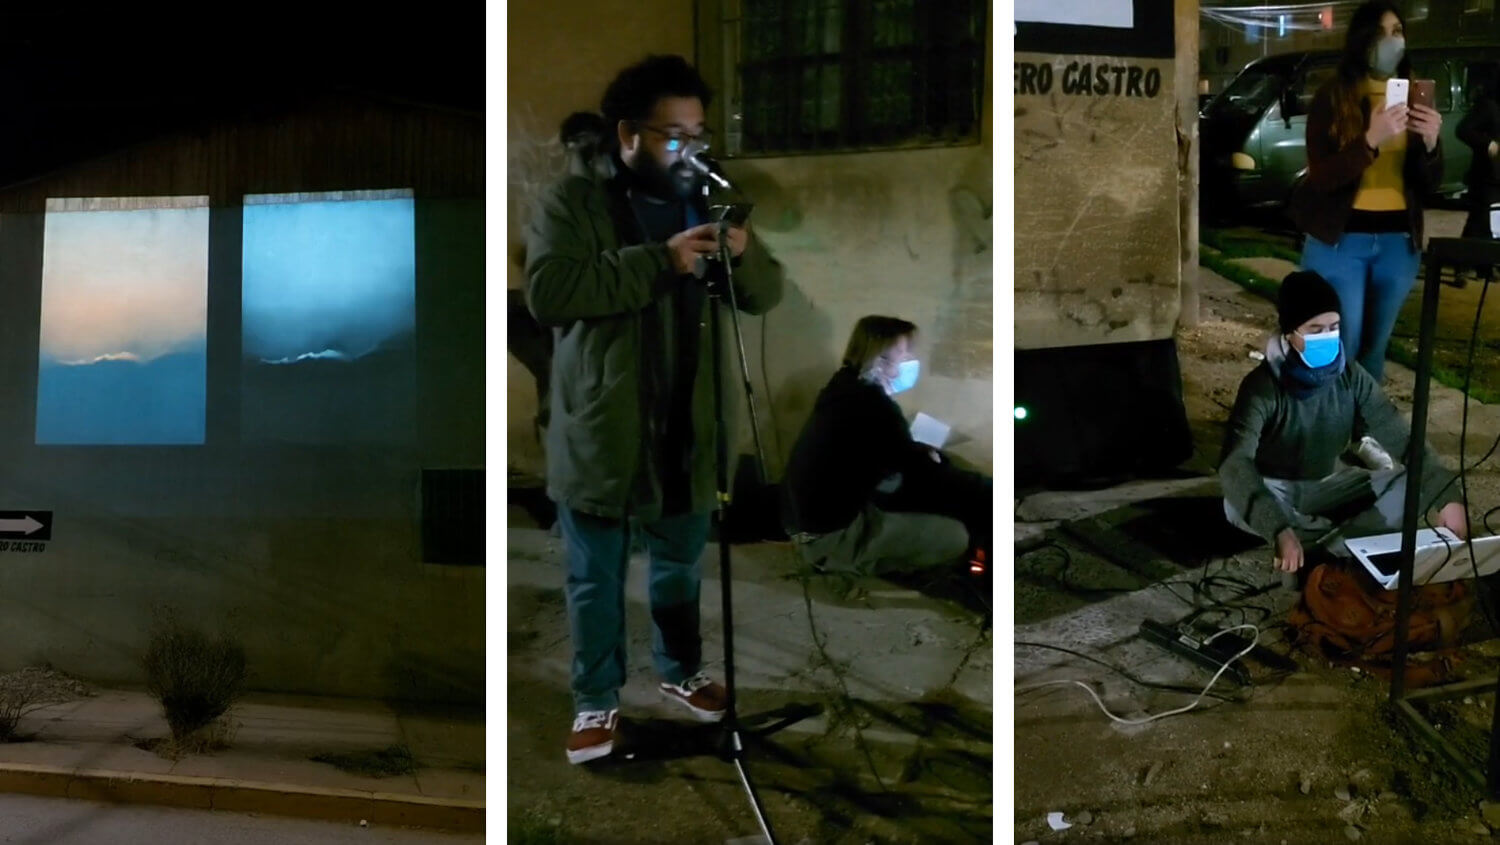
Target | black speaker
(1089,415)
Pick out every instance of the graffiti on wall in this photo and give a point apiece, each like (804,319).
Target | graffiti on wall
(1097,252)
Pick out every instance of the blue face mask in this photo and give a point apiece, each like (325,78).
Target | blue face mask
(1385,58)
(906,376)
(1320,350)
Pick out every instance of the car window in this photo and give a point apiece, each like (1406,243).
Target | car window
(1438,72)
(1249,94)
(1476,75)
(1307,86)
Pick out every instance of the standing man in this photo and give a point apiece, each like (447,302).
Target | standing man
(614,255)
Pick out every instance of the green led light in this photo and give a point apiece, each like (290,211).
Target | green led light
(1021,412)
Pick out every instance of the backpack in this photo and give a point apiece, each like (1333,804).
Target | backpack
(1349,618)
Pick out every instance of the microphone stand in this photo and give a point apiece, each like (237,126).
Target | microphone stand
(731,746)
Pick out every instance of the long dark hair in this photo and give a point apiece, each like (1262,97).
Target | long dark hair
(871,337)
(1350,118)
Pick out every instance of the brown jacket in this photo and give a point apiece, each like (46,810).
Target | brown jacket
(1322,202)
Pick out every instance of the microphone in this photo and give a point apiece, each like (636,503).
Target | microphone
(696,156)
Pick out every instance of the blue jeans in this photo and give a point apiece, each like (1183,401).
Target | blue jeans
(1372,273)
(597,553)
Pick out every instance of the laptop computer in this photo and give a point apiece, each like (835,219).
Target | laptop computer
(1440,556)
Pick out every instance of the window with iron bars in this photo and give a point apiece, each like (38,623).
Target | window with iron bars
(808,76)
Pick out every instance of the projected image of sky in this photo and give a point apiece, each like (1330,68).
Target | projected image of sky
(124,310)
(329,317)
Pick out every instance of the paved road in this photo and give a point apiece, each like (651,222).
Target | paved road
(25,820)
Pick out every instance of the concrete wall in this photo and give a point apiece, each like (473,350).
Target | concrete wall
(905,233)
(310,554)
(1097,242)
(1106,197)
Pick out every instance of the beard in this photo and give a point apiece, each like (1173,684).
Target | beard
(677,181)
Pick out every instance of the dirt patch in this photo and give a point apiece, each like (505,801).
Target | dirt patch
(217,735)
(379,763)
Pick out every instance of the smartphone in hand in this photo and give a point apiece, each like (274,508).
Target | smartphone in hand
(1396,91)
(736,213)
(1424,93)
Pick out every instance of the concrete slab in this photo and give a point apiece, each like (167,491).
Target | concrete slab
(86,749)
(901,673)
(894,646)
(112,716)
(1030,534)
(1067,505)
(75,755)
(259,768)
(302,728)
(442,742)
(1109,624)
(446,783)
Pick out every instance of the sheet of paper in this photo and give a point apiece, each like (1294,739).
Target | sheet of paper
(925,429)
(1114,13)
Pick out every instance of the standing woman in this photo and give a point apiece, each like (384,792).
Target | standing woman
(1368,168)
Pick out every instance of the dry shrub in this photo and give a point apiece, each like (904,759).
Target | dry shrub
(196,678)
(29,690)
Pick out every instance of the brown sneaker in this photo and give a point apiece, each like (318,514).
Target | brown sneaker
(593,735)
(704,698)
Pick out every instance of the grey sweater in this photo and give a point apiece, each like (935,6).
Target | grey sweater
(1272,434)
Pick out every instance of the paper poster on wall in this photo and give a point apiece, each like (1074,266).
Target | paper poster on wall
(329,301)
(1142,29)
(1111,13)
(123,359)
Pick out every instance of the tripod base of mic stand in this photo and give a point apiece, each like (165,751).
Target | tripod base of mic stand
(759,726)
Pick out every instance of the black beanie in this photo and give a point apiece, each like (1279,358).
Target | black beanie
(1304,295)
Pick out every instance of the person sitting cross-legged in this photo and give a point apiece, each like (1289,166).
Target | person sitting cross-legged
(1295,414)
(864,498)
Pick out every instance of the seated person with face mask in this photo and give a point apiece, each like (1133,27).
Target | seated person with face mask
(1294,416)
(862,497)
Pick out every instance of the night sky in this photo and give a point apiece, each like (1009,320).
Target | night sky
(80,83)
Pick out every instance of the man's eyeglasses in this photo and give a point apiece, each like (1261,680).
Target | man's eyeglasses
(677,140)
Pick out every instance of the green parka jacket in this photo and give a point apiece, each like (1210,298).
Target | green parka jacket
(609,300)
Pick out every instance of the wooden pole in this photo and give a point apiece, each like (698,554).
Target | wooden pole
(1187,156)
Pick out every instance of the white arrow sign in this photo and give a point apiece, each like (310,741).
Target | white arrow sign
(26,526)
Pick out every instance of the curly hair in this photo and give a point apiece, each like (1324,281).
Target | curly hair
(635,90)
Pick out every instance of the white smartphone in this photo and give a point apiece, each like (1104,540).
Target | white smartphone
(1396,91)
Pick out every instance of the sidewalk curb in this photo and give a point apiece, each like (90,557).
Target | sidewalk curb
(240,796)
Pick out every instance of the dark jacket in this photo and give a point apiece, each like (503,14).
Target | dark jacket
(1480,128)
(1273,434)
(856,438)
(1322,202)
(609,298)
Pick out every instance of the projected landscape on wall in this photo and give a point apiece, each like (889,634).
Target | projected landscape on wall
(329,301)
(124,308)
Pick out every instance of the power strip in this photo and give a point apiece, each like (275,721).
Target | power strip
(1210,655)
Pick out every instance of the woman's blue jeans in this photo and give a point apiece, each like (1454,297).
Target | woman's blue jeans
(1372,273)
(597,552)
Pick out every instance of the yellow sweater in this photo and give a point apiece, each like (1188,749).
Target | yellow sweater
(1381,186)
